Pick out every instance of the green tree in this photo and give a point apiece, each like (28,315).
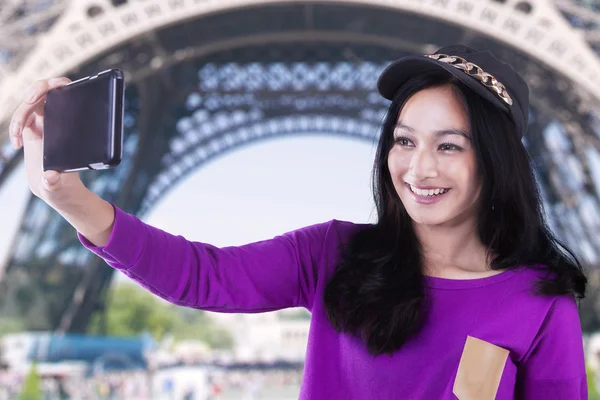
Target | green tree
(592,387)
(11,325)
(589,310)
(297,314)
(131,310)
(200,327)
(31,386)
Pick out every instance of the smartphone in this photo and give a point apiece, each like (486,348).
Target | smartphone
(83,123)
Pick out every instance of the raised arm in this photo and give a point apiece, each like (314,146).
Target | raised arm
(263,276)
(282,272)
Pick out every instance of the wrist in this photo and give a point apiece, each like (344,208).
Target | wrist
(70,199)
(89,214)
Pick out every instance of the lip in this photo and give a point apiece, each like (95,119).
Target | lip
(426,199)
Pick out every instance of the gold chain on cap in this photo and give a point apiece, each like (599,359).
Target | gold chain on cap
(476,72)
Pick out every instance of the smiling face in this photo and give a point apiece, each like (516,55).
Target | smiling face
(432,162)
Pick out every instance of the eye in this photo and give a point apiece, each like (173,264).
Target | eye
(403,141)
(449,147)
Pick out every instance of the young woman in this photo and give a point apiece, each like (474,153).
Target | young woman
(458,291)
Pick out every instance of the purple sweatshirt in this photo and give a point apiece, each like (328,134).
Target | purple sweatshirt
(486,338)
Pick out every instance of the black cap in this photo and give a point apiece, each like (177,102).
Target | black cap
(495,81)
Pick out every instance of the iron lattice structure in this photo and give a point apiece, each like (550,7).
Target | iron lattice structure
(583,15)
(206,85)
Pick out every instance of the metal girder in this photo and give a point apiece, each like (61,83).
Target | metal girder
(81,34)
(583,18)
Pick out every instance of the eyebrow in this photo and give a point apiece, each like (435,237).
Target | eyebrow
(441,132)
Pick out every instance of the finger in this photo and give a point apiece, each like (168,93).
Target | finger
(51,180)
(13,130)
(53,83)
(32,102)
(34,123)
(24,111)
(18,128)
(40,88)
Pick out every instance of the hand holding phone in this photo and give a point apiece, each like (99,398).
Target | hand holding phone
(65,192)
(26,131)
(83,123)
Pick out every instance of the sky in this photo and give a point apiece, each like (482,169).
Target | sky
(250,194)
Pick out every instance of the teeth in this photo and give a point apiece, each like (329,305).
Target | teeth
(429,192)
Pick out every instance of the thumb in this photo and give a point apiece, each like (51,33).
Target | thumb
(51,180)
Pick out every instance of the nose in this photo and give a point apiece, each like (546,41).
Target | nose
(423,165)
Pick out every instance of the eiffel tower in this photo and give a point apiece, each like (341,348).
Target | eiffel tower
(206,77)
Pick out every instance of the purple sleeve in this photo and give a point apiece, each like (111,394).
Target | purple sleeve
(554,365)
(263,276)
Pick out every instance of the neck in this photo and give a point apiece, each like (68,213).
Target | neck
(447,249)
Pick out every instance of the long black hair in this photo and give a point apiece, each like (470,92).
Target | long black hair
(377,291)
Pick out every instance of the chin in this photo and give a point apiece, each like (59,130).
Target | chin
(421,217)
(427,219)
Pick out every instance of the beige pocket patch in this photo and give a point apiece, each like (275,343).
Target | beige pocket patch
(480,370)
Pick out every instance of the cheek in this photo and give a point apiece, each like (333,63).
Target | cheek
(391,166)
(463,173)
(396,164)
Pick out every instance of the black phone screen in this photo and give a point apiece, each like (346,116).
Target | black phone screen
(83,123)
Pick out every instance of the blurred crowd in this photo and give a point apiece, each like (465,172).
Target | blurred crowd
(220,383)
